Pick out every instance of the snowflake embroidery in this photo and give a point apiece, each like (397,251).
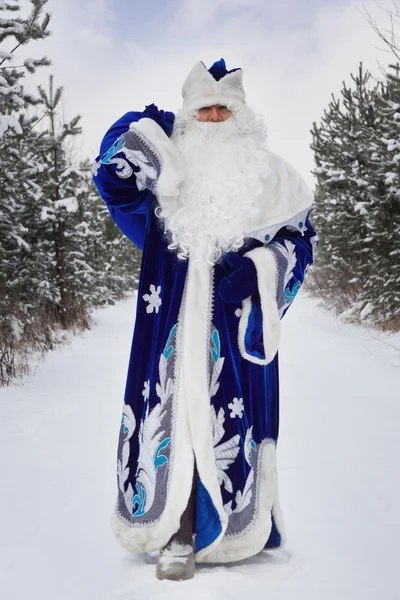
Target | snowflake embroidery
(237,408)
(153,299)
(146,390)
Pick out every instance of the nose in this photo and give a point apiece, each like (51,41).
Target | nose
(214,116)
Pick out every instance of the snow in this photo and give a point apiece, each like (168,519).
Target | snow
(20,241)
(30,63)
(390,178)
(339,459)
(70,204)
(8,121)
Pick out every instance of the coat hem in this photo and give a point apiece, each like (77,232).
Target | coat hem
(255,536)
(145,536)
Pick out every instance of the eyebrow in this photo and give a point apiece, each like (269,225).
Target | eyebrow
(217,105)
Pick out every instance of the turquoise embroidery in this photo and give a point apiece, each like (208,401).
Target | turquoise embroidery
(253,448)
(160,459)
(168,346)
(151,449)
(139,500)
(218,362)
(290,294)
(216,350)
(115,148)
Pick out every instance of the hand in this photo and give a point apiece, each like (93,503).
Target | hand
(242,283)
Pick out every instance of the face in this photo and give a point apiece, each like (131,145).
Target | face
(214,113)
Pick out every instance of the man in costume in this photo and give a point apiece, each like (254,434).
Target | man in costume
(226,237)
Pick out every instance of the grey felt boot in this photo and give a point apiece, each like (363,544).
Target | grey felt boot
(176,559)
(176,562)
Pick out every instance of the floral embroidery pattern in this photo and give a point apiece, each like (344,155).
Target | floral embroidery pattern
(289,295)
(226,452)
(153,299)
(128,425)
(288,252)
(151,438)
(217,361)
(236,407)
(250,446)
(243,498)
(124,170)
(146,171)
(112,151)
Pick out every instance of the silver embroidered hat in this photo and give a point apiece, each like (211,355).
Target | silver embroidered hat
(205,87)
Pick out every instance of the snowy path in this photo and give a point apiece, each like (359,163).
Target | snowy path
(339,465)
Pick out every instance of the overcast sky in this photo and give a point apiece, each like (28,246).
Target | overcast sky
(112,56)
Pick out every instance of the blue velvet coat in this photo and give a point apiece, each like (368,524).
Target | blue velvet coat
(200,389)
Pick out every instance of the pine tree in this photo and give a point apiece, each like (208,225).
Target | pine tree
(17,165)
(342,171)
(113,260)
(60,184)
(381,293)
(60,252)
(354,215)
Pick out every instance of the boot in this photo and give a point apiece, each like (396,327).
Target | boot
(176,562)
(176,559)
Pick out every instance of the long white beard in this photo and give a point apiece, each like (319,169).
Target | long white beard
(225,164)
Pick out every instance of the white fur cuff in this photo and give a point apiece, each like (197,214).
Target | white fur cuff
(264,261)
(171,175)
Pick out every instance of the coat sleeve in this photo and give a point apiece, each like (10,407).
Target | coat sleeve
(123,174)
(281,267)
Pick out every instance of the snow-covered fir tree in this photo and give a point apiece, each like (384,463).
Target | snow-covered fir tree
(381,291)
(60,252)
(112,259)
(18,167)
(61,190)
(353,171)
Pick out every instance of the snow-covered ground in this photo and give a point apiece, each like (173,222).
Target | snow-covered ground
(339,465)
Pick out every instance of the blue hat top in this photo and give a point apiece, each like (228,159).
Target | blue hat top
(219,70)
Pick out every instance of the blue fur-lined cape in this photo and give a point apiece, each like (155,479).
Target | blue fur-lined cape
(203,383)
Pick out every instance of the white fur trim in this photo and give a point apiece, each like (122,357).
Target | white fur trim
(253,540)
(192,425)
(171,175)
(264,261)
(145,538)
(195,382)
(266,234)
(192,433)
(201,89)
(285,197)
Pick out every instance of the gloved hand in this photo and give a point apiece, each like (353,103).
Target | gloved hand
(242,283)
